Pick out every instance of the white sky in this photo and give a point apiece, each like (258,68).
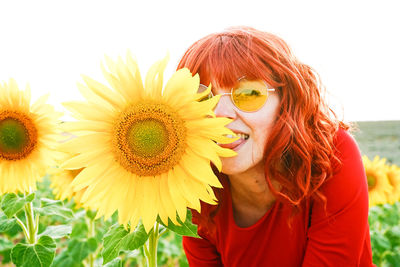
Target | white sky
(354,45)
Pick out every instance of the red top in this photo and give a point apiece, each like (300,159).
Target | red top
(339,237)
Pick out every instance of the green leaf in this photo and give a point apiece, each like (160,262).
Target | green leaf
(54,207)
(80,230)
(91,214)
(392,258)
(44,202)
(65,259)
(57,231)
(114,263)
(5,223)
(5,244)
(5,256)
(393,234)
(187,228)
(381,243)
(40,254)
(78,249)
(117,239)
(30,197)
(11,203)
(92,244)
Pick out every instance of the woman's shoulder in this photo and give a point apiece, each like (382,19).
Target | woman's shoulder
(344,140)
(348,179)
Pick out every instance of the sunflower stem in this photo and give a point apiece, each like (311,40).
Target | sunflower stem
(92,233)
(22,225)
(30,217)
(146,252)
(151,253)
(162,232)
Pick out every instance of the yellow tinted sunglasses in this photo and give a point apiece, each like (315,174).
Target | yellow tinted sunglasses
(247,95)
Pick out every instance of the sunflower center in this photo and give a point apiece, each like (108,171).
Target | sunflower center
(18,135)
(371,181)
(149,139)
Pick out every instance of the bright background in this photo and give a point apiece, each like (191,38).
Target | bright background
(354,45)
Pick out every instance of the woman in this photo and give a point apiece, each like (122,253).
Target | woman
(296,193)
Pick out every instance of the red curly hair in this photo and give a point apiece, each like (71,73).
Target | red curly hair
(300,148)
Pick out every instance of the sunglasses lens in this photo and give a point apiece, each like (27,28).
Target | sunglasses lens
(201,89)
(250,95)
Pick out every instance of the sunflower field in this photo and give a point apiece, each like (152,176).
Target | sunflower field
(60,207)
(383,176)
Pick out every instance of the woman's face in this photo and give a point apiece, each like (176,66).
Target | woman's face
(253,128)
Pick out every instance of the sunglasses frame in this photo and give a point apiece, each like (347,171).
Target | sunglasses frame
(231,94)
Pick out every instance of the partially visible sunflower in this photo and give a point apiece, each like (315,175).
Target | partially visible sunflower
(393,174)
(146,151)
(61,181)
(378,183)
(27,138)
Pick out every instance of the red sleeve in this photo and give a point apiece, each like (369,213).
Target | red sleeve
(339,236)
(200,252)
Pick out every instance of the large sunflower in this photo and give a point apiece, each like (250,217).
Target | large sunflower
(27,138)
(393,174)
(146,151)
(378,183)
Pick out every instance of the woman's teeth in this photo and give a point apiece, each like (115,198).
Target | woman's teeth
(243,136)
(240,135)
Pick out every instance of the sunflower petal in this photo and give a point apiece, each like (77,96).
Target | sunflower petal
(166,200)
(154,78)
(181,88)
(176,196)
(199,168)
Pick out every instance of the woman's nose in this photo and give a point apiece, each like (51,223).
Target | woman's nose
(225,107)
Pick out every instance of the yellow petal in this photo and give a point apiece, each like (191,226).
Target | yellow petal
(203,148)
(91,97)
(205,193)
(149,205)
(181,88)
(87,176)
(223,152)
(131,87)
(190,194)
(166,200)
(211,128)
(86,143)
(82,110)
(40,102)
(124,211)
(87,125)
(85,159)
(198,110)
(104,92)
(176,196)
(199,168)
(154,78)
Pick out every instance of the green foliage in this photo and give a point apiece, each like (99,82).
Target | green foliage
(51,207)
(80,239)
(117,262)
(384,221)
(118,239)
(5,223)
(170,251)
(11,203)
(39,254)
(57,231)
(187,228)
